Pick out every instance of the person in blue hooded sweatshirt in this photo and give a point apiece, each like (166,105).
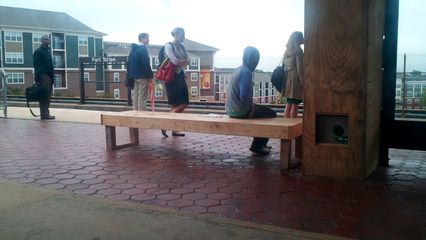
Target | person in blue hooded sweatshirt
(139,69)
(239,102)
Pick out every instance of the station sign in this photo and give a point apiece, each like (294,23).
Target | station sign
(107,60)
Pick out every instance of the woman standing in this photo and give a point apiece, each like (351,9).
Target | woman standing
(177,90)
(293,68)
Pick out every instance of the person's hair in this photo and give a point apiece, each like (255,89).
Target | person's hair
(142,36)
(177,30)
(293,44)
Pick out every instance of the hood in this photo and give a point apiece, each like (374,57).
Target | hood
(251,58)
(135,47)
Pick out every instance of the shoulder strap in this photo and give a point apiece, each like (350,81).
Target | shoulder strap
(32,113)
(184,50)
(173,47)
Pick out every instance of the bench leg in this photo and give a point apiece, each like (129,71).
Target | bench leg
(285,154)
(111,143)
(299,148)
(111,139)
(134,136)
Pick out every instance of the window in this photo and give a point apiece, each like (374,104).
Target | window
(59,81)
(156,62)
(15,78)
(86,77)
(13,36)
(14,57)
(116,93)
(158,91)
(13,47)
(83,41)
(116,77)
(194,77)
(194,91)
(58,41)
(398,93)
(37,40)
(83,46)
(194,62)
(57,61)
(37,37)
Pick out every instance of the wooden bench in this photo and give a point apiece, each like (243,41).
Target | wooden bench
(280,128)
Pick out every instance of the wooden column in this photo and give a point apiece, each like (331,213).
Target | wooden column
(343,58)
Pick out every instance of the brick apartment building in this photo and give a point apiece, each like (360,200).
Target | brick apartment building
(199,73)
(263,91)
(20,33)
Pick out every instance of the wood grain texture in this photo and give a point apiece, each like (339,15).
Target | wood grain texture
(279,128)
(337,66)
(285,154)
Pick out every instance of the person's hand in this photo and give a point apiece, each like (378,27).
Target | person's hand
(182,63)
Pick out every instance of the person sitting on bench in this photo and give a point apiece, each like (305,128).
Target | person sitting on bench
(239,103)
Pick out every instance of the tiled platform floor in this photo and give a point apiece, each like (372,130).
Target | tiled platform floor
(214,174)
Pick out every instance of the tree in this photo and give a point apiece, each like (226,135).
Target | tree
(422,103)
(416,73)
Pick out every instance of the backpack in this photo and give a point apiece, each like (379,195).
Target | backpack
(162,55)
(279,78)
(129,82)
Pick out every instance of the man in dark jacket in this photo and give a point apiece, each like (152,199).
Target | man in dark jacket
(139,69)
(44,74)
(239,97)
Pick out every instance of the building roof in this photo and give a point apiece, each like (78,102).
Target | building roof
(12,17)
(123,48)
(196,46)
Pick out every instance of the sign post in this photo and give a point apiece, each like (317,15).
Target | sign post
(109,60)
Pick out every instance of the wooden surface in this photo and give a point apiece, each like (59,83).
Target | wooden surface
(279,128)
(342,61)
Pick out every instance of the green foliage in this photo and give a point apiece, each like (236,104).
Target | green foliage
(422,103)
(416,73)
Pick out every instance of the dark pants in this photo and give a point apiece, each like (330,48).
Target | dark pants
(44,104)
(260,111)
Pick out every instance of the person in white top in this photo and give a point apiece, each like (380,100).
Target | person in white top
(177,90)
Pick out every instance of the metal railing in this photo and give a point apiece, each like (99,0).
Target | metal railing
(3,92)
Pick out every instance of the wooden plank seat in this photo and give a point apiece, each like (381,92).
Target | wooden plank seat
(284,129)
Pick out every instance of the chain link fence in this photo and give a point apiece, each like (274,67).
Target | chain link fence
(410,91)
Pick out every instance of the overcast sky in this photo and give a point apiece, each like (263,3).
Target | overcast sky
(224,24)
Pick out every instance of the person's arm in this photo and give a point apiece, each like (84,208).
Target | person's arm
(299,66)
(36,59)
(145,62)
(169,50)
(245,86)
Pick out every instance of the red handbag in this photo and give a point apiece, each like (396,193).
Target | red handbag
(166,71)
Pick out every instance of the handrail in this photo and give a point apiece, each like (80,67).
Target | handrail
(3,91)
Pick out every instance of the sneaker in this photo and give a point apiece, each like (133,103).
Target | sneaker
(178,134)
(260,151)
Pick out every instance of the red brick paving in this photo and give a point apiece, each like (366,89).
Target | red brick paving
(216,174)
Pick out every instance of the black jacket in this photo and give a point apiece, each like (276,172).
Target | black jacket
(139,63)
(43,64)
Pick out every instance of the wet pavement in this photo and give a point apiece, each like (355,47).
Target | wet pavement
(216,175)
